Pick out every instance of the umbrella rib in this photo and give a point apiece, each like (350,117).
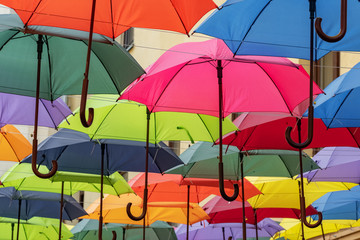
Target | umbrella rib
(104,66)
(32,14)
(276,87)
(18,159)
(207,129)
(352,135)
(47,110)
(182,22)
(247,139)
(289,172)
(8,40)
(252,24)
(112,20)
(102,121)
(337,111)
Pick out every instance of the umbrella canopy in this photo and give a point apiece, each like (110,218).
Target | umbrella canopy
(338,164)
(40,204)
(111,123)
(203,230)
(21,177)
(336,106)
(285,193)
(14,146)
(173,188)
(115,210)
(75,152)
(87,230)
(113,19)
(340,204)
(36,228)
(201,161)
(221,211)
(260,131)
(62,66)
(185,79)
(281,27)
(17,109)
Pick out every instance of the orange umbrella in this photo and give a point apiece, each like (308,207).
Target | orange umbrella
(13,145)
(114,210)
(174,188)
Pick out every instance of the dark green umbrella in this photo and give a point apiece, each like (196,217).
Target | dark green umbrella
(48,67)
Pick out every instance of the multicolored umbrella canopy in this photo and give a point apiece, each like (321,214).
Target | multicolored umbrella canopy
(17,109)
(173,188)
(127,120)
(266,27)
(86,229)
(338,164)
(36,228)
(114,210)
(113,19)
(285,193)
(201,161)
(21,177)
(337,106)
(185,79)
(76,152)
(37,204)
(203,230)
(261,131)
(14,146)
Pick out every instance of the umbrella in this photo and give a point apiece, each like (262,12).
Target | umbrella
(14,146)
(159,126)
(180,81)
(87,230)
(114,210)
(17,109)
(36,228)
(203,230)
(336,106)
(60,61)
(338,164)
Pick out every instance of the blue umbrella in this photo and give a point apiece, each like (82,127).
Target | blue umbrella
(75,152)
(340,204)
(338,106)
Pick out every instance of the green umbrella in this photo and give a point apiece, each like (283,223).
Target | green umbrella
(48,67)
(21,177)
(201,161)
(87,230)
(127,120)
(36,228)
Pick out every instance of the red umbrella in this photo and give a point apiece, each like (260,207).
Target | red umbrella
(261,131)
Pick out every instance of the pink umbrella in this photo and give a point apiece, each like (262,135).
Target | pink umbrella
(205,78)
(256,130)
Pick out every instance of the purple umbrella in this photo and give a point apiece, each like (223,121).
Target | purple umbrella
(203,230)
(338,164)
(17,109)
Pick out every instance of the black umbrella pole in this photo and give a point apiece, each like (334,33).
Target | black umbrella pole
(322,231)
(101,191)
(241,156)
(302,222)
(61,208)
(12,231)
(256,225)
(18,224)
(188,212)
(223,232)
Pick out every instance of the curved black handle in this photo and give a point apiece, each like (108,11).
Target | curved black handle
(33,163)
(316,224)
(221,185)
(343,25)
(128,208)
(114,235)
(310,132)
(85,123)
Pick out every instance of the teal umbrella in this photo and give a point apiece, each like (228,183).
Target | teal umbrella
(48,67)
(87,230)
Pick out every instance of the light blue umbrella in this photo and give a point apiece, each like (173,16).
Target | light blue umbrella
(338,106)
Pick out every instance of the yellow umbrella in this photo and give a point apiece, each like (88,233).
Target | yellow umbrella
(285,193)
(114,210)
(293,228)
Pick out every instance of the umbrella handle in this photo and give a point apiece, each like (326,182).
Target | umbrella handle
(85,123)
(343,25)
(316,224)
(221,185)
(33,164)
(310,132)
(128,208)
(114,235)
